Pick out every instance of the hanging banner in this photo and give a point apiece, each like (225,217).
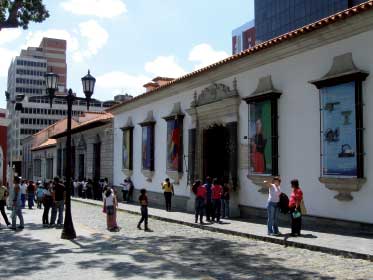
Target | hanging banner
(260,135)
(338,136)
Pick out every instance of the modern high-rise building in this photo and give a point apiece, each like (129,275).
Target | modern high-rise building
(3,146)
(243,37)
(26,84)
(276,17)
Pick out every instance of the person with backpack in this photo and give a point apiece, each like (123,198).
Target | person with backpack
(168,191)
(274,191)
(295,205)
(200,191)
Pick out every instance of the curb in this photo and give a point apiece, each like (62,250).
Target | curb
(286,243)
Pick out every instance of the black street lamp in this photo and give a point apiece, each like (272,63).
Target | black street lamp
(51,80)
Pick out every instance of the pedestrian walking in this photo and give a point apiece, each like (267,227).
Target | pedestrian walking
(217,191)
(143,200)
(296,207)
(208,202)
(17,205)
(273,210)
(23,189)
(47,203)
(130,191)
(3,197)
(76,188)
(110,204)
(225,201)
(168,191)
(39,194)
(58,202)
(30,194)
(125,189)
(200,191)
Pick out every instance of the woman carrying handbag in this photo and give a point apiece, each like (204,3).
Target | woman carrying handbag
(296,205)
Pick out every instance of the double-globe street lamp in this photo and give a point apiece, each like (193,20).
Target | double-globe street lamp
(51,81)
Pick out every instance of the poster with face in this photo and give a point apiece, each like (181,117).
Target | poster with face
(338,137)
(173,145)
(126,149)
(147,142)
(260,135)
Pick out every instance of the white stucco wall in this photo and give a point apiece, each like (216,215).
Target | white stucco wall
(299,130)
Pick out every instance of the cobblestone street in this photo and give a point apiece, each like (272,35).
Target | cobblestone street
(171,251)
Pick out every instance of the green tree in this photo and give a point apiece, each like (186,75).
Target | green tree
(19,13)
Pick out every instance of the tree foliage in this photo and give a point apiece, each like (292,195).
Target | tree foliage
(19,13)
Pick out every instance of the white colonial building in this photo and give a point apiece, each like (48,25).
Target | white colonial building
(298,106)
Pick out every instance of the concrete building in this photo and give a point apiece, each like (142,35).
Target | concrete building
(3,145)
(26,77)
(292,106)
(276,17)
(243,37)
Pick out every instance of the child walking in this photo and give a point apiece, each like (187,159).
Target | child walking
(143,200)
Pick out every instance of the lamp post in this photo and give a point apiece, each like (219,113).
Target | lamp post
(51,80)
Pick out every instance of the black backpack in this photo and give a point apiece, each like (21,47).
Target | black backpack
(284,203)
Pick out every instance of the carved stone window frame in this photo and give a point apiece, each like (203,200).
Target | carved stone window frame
(265,91)
(344,71)
(176,115)
(149,122)
(128,128)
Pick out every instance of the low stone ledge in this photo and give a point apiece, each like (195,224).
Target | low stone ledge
(344,186)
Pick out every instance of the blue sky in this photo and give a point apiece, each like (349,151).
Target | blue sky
(126,43)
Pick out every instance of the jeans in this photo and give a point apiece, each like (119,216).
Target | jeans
(216,206)
(2,210)
(125,195)
(144,216)
(30,200)
(272,223)
(200,206)
(225,208)
(208,208)
(17,212)
(167,197)
(59,205)
(47,207)
(23,200)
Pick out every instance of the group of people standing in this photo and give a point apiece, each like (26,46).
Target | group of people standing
(278,201)
(211,198)
(89,189)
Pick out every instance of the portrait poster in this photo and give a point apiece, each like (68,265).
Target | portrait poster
(174,145)
(126,149)
(147,142)
(260,135)
(338,136)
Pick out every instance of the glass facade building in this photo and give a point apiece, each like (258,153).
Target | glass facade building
(276,17)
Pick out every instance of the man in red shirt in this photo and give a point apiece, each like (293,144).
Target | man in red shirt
(200,191)
(217,191)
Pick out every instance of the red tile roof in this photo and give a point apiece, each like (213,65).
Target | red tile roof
(45,145)
(257,48)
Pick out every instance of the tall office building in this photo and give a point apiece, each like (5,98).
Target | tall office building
(26,78)
(276,17)
(3,146)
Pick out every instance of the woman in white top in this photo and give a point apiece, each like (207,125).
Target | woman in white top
(274,191)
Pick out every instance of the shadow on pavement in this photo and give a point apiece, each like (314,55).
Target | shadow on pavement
(155,257)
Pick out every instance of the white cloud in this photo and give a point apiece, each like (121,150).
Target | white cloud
(9,34)
(99,8)
(6,57)
(33,39)
(120,82)
(94,35)
(205,55)
(165,66)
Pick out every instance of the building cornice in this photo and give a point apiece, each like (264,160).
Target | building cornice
(343,25)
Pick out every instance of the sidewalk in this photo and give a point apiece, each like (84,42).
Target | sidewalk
(347,246)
